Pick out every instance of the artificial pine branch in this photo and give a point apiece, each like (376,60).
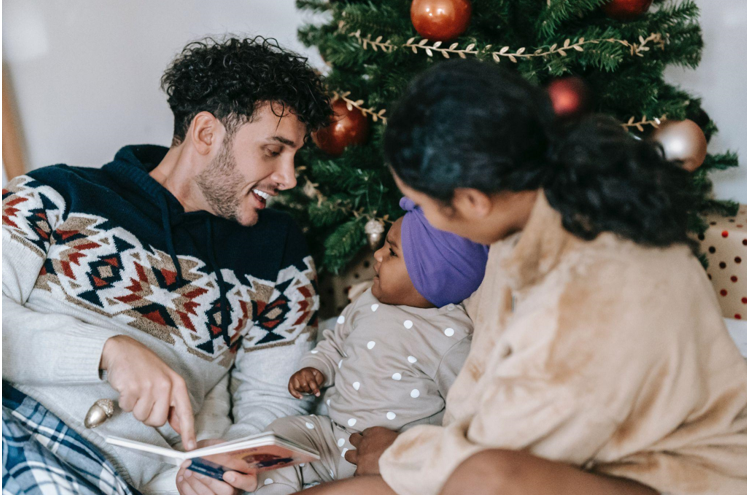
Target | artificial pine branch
(373,52)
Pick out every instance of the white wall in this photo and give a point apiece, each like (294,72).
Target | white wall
(86,72)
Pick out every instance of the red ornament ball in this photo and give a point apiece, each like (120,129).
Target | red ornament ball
(346,128)
(440,20)
(571,97)
(626,10)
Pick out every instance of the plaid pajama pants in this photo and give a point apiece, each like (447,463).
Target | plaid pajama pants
(43,456)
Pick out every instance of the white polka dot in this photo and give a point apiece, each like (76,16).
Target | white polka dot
(309,426)
(340,442)
(371,344)
(449,332)
(374,307)
(341,320)
(332,474)
(390,415)
(412,359)
(397,376)
(339,365)
(343,453)
(352,421)
(415,393)
(302,464)
(357,385)
(408,324)
(269,481)
(450,307)
(314,351)
(328,402)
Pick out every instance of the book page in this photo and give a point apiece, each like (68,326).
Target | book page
(164,454)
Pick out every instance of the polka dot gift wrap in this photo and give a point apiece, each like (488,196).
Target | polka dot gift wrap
(725,245)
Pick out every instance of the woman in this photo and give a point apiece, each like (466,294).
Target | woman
(600,363)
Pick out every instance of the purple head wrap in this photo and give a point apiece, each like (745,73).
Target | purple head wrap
(444,267)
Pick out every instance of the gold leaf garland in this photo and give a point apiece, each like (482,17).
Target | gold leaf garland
(311,190)
(636,49)
(375,115)
(655,122)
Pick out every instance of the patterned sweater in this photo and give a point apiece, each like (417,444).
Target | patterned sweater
(93,253)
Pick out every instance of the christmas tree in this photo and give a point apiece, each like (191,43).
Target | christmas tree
(616,50)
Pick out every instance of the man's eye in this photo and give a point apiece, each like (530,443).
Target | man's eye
(391,253)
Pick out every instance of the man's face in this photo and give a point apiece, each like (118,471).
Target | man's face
(253,165)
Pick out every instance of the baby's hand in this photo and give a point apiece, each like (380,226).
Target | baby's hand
(306,381)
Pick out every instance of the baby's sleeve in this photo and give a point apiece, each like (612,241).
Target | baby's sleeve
(451,364)
(328,353)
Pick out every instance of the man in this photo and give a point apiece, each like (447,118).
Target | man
(155,278)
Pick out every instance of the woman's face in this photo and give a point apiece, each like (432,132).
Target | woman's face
(479,217)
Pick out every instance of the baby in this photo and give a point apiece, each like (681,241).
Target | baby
(393,354)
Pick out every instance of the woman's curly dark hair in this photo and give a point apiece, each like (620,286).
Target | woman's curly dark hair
(229,78)
(468,124)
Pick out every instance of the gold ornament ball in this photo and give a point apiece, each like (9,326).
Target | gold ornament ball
(682,140)
(374,230)
(100,411)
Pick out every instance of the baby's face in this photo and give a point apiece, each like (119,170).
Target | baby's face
(392,284)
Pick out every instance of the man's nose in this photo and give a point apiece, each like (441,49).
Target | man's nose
(285,175)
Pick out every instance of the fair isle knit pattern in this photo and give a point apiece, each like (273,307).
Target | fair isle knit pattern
(94,253)
(107,270)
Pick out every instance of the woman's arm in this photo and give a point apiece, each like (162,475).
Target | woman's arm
(502,472)
(511,472)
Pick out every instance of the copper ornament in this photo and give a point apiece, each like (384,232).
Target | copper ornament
(440,20)
(347,127)
(684,141)
(626,10)
(570,96)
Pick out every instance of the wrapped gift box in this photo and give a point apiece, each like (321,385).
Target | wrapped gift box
(725,245)
(337,291)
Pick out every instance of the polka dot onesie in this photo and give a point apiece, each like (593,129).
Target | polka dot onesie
(385,365)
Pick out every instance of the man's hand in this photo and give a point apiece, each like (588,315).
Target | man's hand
(306,381)
(147,387)
(234,482)
(369,446)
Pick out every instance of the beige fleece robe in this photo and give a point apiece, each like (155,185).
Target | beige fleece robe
(605,355)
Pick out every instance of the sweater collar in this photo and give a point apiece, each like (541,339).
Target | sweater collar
(539,247)
(133,165)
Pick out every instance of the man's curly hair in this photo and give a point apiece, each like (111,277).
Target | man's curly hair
(230,78)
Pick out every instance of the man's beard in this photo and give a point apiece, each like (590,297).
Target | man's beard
(220,184)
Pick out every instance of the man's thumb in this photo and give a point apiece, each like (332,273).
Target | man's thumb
(246,482)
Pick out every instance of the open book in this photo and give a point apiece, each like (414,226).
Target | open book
(260,452)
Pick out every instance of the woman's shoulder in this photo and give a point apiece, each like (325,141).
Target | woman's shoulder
(645,293)
(615,263)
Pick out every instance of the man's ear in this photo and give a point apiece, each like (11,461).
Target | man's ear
(471,203)
(206,133)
